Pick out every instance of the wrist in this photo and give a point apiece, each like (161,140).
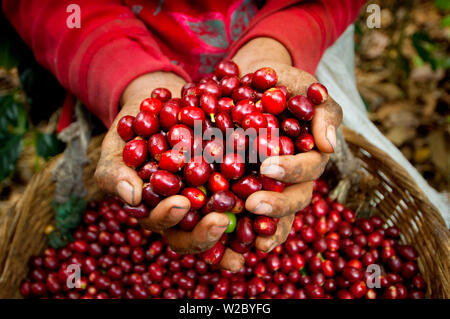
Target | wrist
(141,87)
(261,52)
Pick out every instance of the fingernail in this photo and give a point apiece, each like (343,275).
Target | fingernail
(331,136)
(178,210)
(273,171)
(216,231)
(263,209)
(126,191)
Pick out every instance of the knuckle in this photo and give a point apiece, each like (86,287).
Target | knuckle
(336,111)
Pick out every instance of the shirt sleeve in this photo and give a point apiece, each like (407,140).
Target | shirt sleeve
(305,29)
(96,61)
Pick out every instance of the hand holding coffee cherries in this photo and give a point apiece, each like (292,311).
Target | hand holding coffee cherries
(171,156)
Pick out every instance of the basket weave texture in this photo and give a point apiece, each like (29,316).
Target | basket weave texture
(389,191)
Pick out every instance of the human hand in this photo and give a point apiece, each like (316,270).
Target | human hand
(299,170)
(113,176)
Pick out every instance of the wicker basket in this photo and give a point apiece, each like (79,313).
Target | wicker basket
(392,193)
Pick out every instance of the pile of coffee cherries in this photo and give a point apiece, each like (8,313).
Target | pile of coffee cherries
(328,254)
(208,145)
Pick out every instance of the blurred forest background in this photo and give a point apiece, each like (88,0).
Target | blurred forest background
(402,73)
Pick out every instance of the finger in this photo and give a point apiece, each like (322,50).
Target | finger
(273,204)
(205,234)
(232,261)
(267,243)
(298,168)
(113,176)
(166,214)
(327,118)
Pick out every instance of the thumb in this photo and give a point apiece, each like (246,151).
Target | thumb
(327,118)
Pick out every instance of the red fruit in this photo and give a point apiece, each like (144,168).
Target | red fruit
(419,282)
(135,152)
(304,143)
(228,84)
(38,289)
(152,105)
(242,109)
(314,291)
(291,127)
(273,262)
(320,208)
(237,141)
(125,128)
(233,166)
(239,206)
(375,239)
(25,289)
(376,221)
(165,183)
(255,120)
(246,186)
(353,251)
(157,144)
(225,105)
(190,89)
(247,79)
(392,232)
(244,230)
(145,124)
(222,201)
(285,91)
(217,182)
(172,161)
(267,145)
(168,116)
(161,94)
(272,121)
(317,93)
(358,289)
(286,146)
(156,272)
(238,246)
(190,220)
(195,196)
(208,103)
(224,122)
(197,171)
(301,107)
(213,151)
(264,79)
(140,211)
(181,137)
(210,87)
(407,252)
(270,184)
(352,274)
(225,68)
(274,101)
(264,226)
(243,93)
(149,196)
(214,255)
(409,269)
(189,115)
(189,101)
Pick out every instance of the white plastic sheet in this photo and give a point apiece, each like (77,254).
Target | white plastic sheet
(336,71)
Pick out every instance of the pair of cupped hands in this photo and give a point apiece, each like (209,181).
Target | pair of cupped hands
(299,170)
